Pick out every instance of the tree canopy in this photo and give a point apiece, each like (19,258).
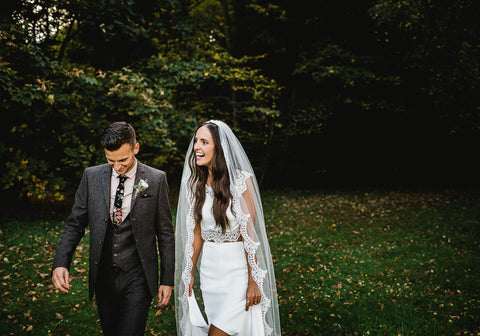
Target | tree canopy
(393,81)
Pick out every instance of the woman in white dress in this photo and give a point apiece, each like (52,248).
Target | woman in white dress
(220,230)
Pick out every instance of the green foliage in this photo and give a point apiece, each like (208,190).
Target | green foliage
(59,114)
(115,34)
(283,76)
(341,77)
(218,86)
(67,105)
(435,45)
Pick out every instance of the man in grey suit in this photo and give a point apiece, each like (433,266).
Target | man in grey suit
(126,205)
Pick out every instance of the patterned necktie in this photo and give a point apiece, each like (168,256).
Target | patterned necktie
(117,204)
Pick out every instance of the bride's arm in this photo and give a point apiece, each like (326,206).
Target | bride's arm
(197,247)
(253,295)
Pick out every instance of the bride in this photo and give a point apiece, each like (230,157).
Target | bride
(220,230)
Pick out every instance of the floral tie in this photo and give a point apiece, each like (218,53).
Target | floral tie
(117,204)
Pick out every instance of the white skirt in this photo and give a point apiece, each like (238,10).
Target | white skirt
(223,281)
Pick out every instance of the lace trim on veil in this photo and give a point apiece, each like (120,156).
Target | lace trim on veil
(186,274)
(250,246)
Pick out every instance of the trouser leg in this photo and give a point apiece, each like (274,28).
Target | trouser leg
(123,302)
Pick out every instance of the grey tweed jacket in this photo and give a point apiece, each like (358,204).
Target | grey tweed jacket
(151,223)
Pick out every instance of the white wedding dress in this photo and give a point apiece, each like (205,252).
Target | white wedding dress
(224,279)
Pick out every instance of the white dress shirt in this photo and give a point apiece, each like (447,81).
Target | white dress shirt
(128,191)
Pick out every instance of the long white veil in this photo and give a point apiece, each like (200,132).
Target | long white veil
(244,189)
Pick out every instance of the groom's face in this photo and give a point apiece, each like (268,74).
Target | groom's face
(122,159)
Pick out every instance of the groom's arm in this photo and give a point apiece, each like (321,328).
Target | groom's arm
(74,228)
(165,235)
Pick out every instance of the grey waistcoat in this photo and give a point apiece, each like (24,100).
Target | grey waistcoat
(119,248)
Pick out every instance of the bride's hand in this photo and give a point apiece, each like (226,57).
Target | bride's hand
(253,294)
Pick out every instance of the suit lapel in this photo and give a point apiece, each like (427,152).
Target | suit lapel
(106,180)
(140,175)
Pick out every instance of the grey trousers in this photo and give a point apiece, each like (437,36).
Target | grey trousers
(123,301)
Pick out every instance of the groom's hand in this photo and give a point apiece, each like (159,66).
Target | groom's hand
(60,279)
(164,293)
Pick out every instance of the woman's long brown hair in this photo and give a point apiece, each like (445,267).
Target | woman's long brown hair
(220,182)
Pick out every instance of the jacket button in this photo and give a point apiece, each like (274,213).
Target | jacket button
(100,242)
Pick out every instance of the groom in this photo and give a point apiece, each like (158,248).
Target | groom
(126,205)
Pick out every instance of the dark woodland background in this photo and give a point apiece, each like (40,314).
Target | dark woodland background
(323,94)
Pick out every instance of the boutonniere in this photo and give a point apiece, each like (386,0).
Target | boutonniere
(141,186)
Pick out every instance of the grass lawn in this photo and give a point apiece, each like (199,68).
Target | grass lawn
(347,263)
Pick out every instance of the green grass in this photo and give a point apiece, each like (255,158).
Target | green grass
(347,263)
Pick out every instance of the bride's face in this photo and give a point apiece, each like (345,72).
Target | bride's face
(204,147)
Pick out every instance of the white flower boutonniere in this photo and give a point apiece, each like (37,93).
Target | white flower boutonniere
(141,186)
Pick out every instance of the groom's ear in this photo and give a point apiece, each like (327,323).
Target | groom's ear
(136,148)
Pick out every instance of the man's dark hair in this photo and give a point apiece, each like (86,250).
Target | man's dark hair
(117,134)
